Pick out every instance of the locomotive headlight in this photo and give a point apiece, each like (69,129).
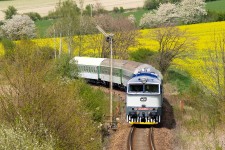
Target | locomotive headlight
(143,80)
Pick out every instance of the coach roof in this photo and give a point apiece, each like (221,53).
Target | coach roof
(88,61)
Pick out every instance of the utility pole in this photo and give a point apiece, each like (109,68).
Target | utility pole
(109,38)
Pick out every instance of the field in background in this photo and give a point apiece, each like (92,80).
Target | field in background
(43,7)
(23,6)
(217,6)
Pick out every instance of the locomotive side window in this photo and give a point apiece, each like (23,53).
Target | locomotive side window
(136,88)
(152,88)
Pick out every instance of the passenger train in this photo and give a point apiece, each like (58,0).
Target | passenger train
(143,84)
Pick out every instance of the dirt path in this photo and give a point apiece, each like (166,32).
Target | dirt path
(43,7)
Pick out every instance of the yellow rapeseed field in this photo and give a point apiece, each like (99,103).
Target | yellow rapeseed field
(193,64)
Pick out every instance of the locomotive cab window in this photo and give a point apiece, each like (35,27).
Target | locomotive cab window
(136,88)
(152,88)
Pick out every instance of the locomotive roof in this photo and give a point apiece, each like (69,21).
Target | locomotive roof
(88,61)
(151,78)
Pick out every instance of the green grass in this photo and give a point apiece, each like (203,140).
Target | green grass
(138,13)
(217,6)
(42,27)
(179,78)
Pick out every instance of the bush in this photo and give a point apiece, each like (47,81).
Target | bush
(142,55)
(151,4)
(20,138)
(95,101)
(34,16)
(8,48)
(213,16)
(33,99)
(63,67)
(121,10)
(116,9)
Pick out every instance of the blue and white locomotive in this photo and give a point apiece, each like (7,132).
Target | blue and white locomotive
(144,98)
(143,84)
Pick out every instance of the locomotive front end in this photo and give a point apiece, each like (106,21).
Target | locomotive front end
(144,99)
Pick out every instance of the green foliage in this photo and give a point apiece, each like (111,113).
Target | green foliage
(179,78)
(34,100)
(213,16)
(94,101)
(65,9)
(138,13)
(42,26)
(19,138)
(89,10)
(151,4)
(68,20)
(63,67)
(118,10)
(8,48)
(142,55)
(11,10)
(205,110)
(34,16)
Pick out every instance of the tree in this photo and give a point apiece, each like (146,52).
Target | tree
(187,11)
(11,10)
(67,24)
(125,34)
(173,43)
(164,15)
(214,68)
(191,10)
(19,27)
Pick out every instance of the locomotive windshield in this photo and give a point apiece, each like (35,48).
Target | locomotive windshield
(152,88)
(136,88)
(144,88)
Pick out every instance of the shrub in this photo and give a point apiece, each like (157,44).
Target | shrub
(34,100)
(8,48)
(116,9)
(151,4)
(142,55)
(63,67)
(11,11)
(34,16)
(213,16)
(121,10)
(20,138)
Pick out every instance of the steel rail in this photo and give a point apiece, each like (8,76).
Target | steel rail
(151,139)
(130,139)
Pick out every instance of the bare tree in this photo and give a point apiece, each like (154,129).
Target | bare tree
(215,67)
(125,34)
(173,43)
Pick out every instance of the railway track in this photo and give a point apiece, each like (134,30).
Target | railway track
(141,139)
